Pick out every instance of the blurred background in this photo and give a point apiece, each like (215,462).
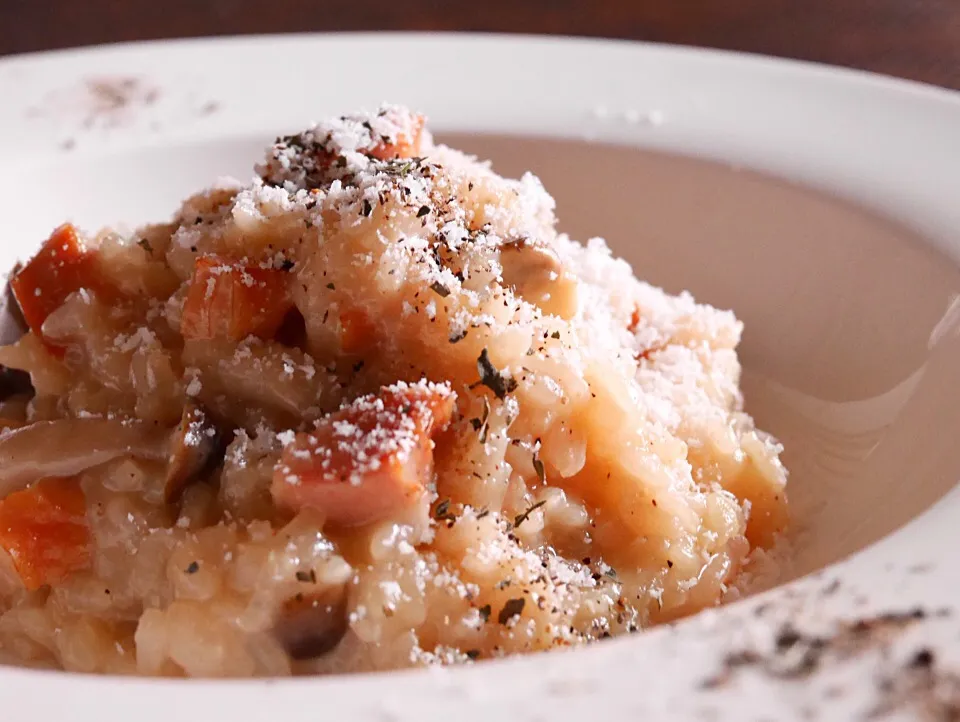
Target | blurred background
(917,39)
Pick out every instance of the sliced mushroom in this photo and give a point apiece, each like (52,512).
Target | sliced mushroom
(536,273)
(67,447)
(14,382)
(12,323)
(310,625)
(197,446)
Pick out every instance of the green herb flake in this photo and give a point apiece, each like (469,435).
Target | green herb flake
(331,286)
(486,421)
(520,518)
(443,513)
(538,467)
(401,170)
(481,423)
(513,608)
(492,378)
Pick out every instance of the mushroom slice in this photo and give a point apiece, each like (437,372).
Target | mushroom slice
(537,274)
(67,447)
(197,446)
(14,382)
(12,323)
(310,625)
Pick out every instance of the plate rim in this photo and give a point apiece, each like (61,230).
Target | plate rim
(753,57)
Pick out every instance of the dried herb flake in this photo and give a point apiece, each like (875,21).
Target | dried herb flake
(481,424)
(520,518)
(439,289)
(538,467)
(193,568)
(513,608)
(492,378)
(310,576)
(443,513)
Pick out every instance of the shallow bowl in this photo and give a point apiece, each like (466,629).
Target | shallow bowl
(817,203)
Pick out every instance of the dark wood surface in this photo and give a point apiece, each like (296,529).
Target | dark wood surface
(917,39)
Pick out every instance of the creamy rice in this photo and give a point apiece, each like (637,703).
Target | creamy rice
(368,411)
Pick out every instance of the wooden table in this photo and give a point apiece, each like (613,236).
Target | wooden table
(918,39)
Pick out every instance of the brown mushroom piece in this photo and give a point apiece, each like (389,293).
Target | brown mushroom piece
(536,273)
(310,625)
(197,446)
(13,382)
(12,323)
(67,447)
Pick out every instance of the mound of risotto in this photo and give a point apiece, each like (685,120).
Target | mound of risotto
(367,411)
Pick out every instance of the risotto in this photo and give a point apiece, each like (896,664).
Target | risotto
(368,411)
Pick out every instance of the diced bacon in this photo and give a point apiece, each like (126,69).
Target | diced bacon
(405,146)
(44,530)
(62,266)
(366,461)
(233,300)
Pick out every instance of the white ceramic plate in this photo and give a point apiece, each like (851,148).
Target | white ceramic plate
(848,293)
